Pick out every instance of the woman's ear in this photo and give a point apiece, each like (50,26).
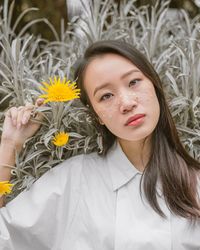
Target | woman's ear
(100,121)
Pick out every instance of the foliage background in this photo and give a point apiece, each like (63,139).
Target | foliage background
(169,39)
(54,11)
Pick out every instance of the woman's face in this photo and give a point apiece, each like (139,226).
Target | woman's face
(119,92)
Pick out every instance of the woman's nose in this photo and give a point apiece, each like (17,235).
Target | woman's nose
(128,102)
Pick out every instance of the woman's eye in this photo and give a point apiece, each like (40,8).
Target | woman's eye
(105,97)
(133,82)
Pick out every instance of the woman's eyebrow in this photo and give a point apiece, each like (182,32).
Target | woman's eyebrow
(101,87)
(109,84)
(128,73)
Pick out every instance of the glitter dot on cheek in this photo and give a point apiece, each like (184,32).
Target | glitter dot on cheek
(127,98)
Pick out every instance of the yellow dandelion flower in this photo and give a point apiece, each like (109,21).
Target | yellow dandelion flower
(5,187)
(60,139)
(59,90)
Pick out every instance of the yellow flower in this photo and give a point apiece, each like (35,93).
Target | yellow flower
(5,187)
(60,139)
(59,90)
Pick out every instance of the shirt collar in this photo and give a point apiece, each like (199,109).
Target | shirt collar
(121,169)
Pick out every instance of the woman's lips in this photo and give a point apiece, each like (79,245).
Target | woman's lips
(135,120)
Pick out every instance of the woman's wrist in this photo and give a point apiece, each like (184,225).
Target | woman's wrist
(8,151)
(10,145)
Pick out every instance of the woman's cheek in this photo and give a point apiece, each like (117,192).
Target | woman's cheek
(106,114)
(149,97)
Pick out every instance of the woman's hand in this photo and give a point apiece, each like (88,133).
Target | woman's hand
(18,127)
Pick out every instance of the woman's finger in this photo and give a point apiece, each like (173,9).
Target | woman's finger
(19,117)
(29,106)
(39,102)
(26,116)
(12,113)
(29,110)
(35,114)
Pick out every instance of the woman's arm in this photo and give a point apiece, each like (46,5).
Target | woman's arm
(7,161)
(17,128)
(41,217)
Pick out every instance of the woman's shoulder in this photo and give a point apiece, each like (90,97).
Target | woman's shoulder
(75,164)
(80,167)
(64,176)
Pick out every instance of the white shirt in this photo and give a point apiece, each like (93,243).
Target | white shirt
(91,202)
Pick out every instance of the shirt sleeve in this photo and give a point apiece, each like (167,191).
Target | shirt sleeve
(37,218)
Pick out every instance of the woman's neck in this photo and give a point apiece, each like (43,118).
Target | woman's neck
(138,152)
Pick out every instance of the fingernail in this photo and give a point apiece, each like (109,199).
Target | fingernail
(40,101)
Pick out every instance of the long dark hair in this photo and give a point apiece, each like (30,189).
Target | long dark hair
(169,162)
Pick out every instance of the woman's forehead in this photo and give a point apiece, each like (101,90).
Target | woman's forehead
(107,72)
(110,58)
(109,65)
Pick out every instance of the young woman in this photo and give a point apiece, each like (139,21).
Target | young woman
(141,193)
